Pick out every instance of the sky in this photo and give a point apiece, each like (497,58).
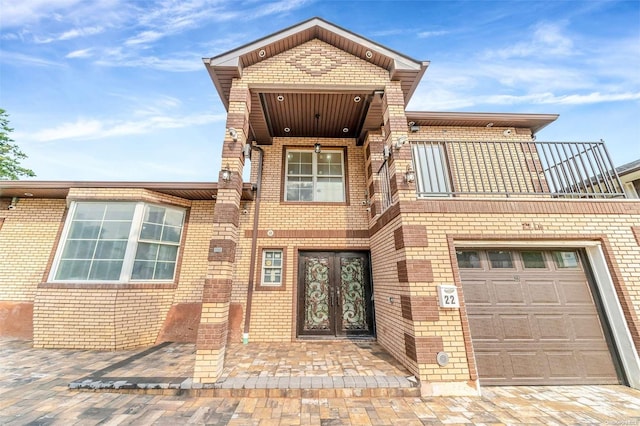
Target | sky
(117,90)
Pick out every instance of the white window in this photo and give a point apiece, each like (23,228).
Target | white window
(272,268)
(119,241)
(432,178)
(312,176)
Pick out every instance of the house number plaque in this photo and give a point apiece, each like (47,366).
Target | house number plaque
(448,296)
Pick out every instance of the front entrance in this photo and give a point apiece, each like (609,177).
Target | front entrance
(334,294)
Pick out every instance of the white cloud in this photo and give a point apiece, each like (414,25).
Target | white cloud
(573,99)
(17,13)
(144,37)
(13,58)
(189,64)
(88,129)
(81,53)
(80,32)
(428,34)
(547,39)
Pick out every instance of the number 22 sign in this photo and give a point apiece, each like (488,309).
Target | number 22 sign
(448,296)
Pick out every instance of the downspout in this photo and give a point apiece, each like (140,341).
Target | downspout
(254,243)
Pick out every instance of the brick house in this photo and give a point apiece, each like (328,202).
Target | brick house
(471,252)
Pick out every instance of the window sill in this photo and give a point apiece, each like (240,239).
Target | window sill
(101,285)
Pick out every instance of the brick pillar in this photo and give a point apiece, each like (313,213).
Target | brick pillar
(395,126)
(214,322)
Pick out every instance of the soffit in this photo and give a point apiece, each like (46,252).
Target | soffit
(535,122)
(60,189)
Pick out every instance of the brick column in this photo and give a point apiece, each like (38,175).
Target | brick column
(214,322)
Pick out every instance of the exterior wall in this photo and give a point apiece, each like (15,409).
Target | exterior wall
(27,236)
(413,250)
(296,226)
(96,316)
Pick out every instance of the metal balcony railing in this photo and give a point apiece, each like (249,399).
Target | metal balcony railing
(524,169)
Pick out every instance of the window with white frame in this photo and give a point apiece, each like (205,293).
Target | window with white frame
(119,241)
(312,176)
(432,176)
(272,267)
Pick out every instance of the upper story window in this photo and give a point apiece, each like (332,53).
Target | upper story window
(312,176)
(432,176)
(119,241)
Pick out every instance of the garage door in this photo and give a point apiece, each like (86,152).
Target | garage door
(533,319)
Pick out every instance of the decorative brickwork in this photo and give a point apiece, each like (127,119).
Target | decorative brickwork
(410,236)
(415,270)
(427,348)
(222,250)
(212,335)
(216,290)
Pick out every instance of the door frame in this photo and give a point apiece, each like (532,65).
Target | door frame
(334,332)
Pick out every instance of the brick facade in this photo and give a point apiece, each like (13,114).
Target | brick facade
(411,242)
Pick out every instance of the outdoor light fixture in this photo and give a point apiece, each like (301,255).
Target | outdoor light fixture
(386,152)
(225,174)
(507,132)
(317,147)
(233,133)
(410,174)
(414,128)
(401,141)
(14,201)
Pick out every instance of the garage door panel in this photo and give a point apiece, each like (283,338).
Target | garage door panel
(483,327)
(508,292)
(477,292)
(552,327)
(586,327)
(576,292)
(562,364)
(491,365)
(542,293)
(527,365)
(536,326)
(516,327)
(597,364)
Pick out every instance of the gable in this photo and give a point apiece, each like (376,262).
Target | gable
(316,63)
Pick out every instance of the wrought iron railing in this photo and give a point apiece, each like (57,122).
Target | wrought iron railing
(495,168)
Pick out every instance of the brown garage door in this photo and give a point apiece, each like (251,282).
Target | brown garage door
(533,319)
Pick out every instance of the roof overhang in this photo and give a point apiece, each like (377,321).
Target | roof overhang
(227,66)
(60,189)
(535,122)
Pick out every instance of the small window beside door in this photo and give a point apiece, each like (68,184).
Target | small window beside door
(272,267)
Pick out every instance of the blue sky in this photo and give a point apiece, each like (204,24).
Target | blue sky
(116,89)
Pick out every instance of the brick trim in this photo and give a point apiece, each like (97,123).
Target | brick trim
(410,236)
(211,336)
(530,206)
(634,229)
(385,218)
(226,213)
(311,233)
(1,222)
(222,250)
(108,286)
(216,290)
(410,347)
(427,348)
(419,270)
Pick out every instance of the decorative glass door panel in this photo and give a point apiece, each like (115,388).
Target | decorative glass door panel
(316,295)
(334,294)
(352,294)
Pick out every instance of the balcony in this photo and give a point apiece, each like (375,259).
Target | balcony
(514,169)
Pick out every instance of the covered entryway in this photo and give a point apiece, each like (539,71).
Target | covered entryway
(533,318)
(334,294)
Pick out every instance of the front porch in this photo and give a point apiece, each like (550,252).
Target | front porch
(327,369)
